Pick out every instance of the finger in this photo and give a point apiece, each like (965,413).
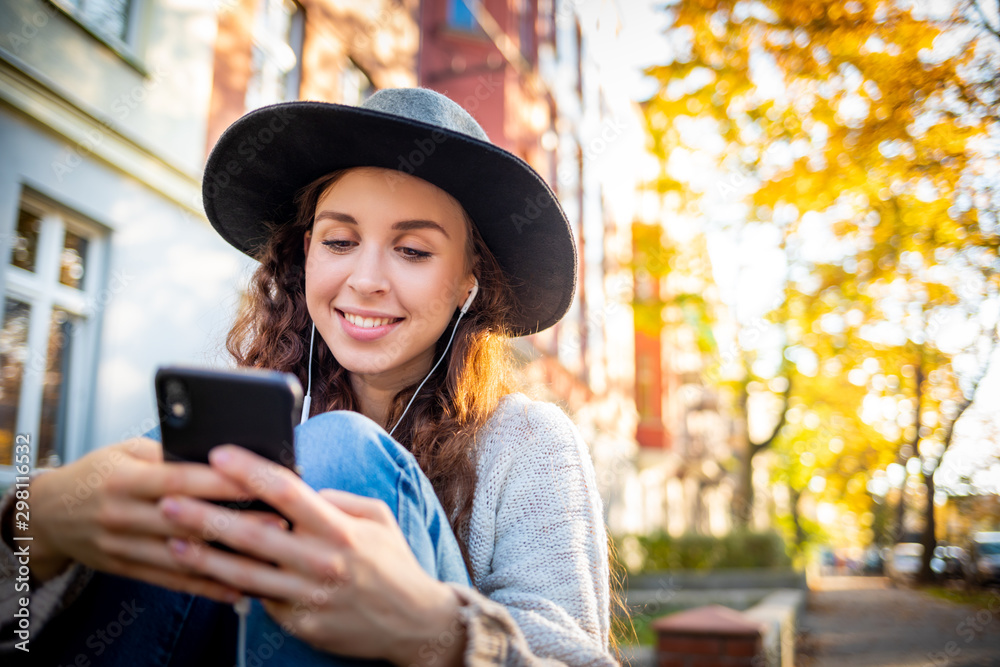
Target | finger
(145,449)
(280,488)
(266,518)
(303,553)
(363,507)
(139,518)
(140,550)
(188,479)
(248,575)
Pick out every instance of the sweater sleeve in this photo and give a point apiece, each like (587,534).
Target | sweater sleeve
(46,600)
(545,597)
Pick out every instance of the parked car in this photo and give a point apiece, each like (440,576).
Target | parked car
(950,562)
(904,561)
(871,562)
(984,558)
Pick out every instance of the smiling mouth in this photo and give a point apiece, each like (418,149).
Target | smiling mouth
(368,322)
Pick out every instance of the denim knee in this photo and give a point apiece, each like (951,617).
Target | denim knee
(346,450)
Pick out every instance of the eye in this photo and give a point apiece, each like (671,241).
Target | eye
(413,254)
(338,245)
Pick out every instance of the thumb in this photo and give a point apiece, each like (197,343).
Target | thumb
(145,449)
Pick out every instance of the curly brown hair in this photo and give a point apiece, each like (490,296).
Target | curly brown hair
(273,327)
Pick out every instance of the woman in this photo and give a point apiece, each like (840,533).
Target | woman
(406,240)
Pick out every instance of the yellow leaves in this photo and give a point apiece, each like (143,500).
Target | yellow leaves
(885,178)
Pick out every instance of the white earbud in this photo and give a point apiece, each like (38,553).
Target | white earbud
(465,307)
(472,295)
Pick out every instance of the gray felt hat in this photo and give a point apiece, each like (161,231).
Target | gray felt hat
(265,157)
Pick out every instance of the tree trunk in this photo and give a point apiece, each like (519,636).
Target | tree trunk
(744,500)
(914,443)
(929,536)
(900,514)
(800,533)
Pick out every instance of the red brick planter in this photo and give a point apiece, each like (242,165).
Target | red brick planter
(711,636)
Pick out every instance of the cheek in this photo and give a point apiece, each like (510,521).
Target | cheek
(323,279)
(429,298)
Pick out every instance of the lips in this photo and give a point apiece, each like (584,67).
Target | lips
(377,327)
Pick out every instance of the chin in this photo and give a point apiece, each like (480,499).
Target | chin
(365,364)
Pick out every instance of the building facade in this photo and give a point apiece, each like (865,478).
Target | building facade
(108,266)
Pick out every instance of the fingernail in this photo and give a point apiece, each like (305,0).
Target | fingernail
(222,454)
(170,507)
(179,547)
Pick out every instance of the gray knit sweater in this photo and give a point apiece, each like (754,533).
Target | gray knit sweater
(536,539)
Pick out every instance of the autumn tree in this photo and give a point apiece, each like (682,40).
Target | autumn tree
(860,130)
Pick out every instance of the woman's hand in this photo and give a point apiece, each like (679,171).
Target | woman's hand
(101,510)
(343,579)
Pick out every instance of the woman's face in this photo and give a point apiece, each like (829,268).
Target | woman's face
(386,267)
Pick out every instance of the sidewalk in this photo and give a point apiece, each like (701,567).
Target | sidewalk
(863,621)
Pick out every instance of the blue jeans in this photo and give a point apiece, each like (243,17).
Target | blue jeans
(120,621)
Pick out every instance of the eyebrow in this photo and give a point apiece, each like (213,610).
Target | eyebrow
(404,225)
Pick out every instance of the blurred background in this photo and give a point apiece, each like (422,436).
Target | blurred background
(786,215)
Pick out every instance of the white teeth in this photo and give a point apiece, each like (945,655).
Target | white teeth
(368,322)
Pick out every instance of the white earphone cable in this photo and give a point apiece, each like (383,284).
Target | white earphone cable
(242,609)
(464,309)
(307,401)
(420,386)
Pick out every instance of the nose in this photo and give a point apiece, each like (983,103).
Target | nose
(367,276)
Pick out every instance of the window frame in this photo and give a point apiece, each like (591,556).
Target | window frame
(125,48)
(42,290)
(449,18)
(296,42)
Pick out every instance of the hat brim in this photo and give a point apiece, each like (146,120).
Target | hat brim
(265,157)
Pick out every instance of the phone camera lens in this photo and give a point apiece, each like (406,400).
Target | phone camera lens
(178,403)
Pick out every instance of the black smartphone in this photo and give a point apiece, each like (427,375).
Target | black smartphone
(201,408)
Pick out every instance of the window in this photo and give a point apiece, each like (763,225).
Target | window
(460,17)
(276,53)
(111,19)
(527,30)
(645,394)
(355,86)
(47,332)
